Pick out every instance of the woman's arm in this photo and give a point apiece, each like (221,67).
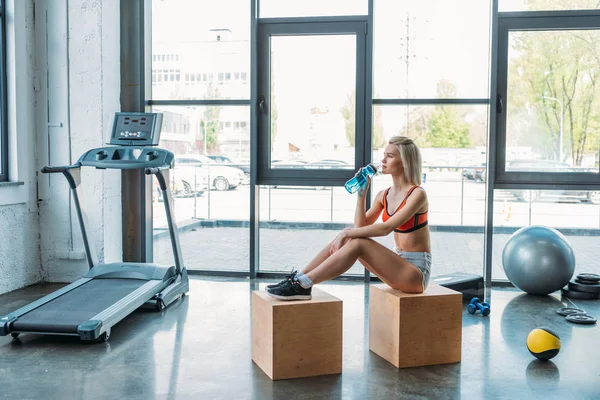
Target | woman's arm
(374,230)
(414,202)
(362,218)
(360,215)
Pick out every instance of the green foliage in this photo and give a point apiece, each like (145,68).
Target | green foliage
(210,128)
(274,113)
(210,123)
(445,89)
(349,115)
(349,118)
(447,129)
(560,65)
(441,126)
(417,126)
(378,139)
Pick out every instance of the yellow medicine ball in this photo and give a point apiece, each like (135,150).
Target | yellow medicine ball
(543,343)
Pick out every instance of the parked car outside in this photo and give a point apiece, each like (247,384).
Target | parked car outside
(197,171)
(476,173)
(329,164)
(549,166)
(245,167)
(177,188)
(312,165)
(560,195)
(290,164)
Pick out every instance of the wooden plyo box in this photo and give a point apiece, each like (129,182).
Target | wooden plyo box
(294,339)
(411,330)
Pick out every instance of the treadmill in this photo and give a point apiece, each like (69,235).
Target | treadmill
(90,306)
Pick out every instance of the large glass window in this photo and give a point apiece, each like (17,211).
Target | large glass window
(547,107)
(312,204)
(553,102)
(200,82)
(431,83)
(431,49)
(209,183)
(205,54)
(453,145)
(311,101)
(313,96)
(3,110)
(298,221)
(547,123)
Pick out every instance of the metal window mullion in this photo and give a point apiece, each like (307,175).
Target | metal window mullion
(233,102)
(550,22)
(361,130)
(313,20)
(148,50)
(3,97)
(136,187)
(493,143)
(425,101)
(263,83)
(528,185)
(560,14)
(368,66)
(254,223)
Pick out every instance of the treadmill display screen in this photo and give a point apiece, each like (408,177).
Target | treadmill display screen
(136,129)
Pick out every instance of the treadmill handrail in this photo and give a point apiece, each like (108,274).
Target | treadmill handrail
(73,175)
(155,170)
(127,157)
(61,169)
(153,160)
(160,173)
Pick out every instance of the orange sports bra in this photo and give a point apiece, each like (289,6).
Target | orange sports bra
(415,222)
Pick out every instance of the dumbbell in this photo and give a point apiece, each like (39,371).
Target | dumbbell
(477,304)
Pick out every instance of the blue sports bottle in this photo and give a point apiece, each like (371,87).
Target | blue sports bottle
(360,180)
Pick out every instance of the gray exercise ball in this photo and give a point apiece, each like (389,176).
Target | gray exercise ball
(538,260)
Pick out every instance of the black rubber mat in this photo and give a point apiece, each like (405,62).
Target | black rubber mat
(65,313)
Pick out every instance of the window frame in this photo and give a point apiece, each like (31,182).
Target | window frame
(267,175)
(3,97)
(535,21)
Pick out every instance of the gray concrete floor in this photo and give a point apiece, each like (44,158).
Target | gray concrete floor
(200,348)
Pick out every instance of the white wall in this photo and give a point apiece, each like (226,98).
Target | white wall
(78,42)
(19,228)
(63,88)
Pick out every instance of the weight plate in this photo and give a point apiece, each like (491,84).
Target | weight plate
(589,277)
(585,282)
(572,294)
(581,319)
(569,310)
(578,287)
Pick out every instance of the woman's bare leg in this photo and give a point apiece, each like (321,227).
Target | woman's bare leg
(318,259)
(321,256)
(387,265)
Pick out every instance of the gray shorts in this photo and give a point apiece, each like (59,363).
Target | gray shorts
(420,259)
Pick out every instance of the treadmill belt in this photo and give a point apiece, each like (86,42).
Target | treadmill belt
(65,313)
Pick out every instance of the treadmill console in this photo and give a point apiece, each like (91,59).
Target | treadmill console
(136,129)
